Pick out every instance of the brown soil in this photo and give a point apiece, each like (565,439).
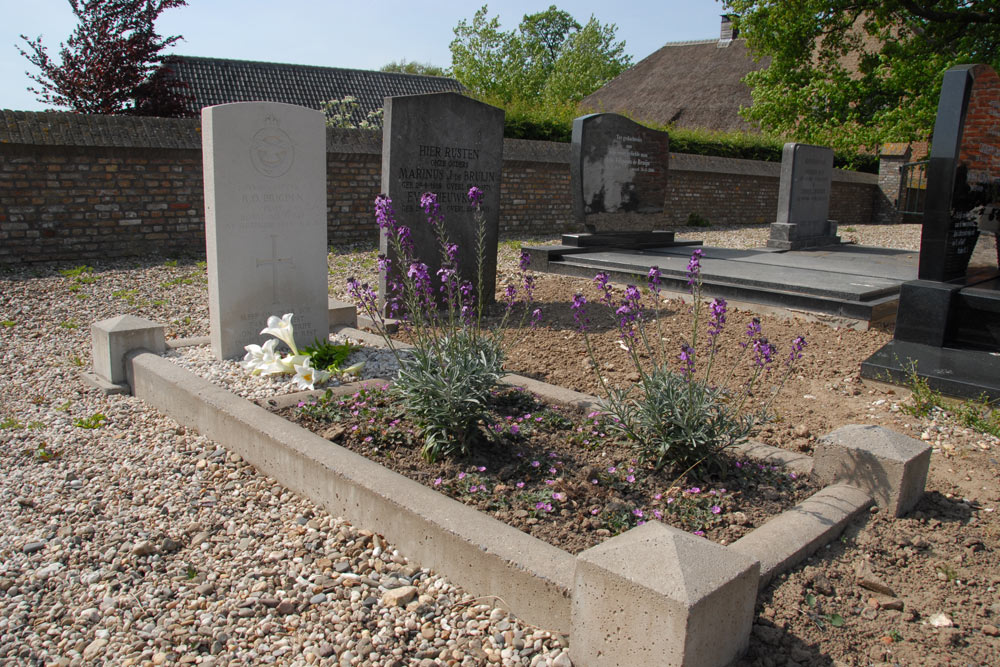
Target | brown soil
(560,477)
(939,566)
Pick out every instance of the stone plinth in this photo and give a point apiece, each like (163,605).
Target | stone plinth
(113,338)
(890,467)
(657,595)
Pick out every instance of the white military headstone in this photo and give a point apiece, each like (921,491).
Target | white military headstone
(265,221)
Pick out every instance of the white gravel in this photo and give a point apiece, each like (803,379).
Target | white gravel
(138,542)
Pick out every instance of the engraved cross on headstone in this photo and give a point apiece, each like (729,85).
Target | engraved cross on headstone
(273,262)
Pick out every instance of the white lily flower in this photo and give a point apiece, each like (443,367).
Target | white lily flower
(251,361)
(306,377)
(281,328)
(355,369)
(289,363)
(270,362)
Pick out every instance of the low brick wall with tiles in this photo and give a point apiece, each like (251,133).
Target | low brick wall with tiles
(78,187)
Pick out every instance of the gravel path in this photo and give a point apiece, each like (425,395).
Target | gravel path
(138,542)
(128,539)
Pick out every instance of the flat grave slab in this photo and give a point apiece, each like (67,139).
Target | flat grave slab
(856,282)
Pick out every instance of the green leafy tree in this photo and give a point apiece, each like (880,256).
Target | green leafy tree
(549,58)
(412,67)
(853,74)
(109,64)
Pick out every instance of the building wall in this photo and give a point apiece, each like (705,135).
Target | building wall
(76,187)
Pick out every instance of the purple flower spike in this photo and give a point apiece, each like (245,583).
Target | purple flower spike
(797,346)
(654,279)
(536,317)
(525,260)
(687,360)
(764,352)
(717,318)
(752,332)
(694,267)
(579,315)
(383,212)
(475,196)
(601,280)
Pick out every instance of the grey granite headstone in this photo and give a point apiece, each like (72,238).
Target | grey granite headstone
(804,199)
(444,143)
(618,173)
(265,221)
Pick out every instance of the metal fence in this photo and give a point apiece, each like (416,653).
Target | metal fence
(913,188)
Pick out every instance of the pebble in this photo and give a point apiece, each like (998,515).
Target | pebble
(152,535)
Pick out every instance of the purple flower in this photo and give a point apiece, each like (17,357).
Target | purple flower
(595,512)
(515,429)
(536,317)
(763,352)
(520,485)
(630,479)
(717,319)
(437,482)
(475,196)
(653,278)
(384,215)
(694,267)
(700,533)
(429,202)
(686,358)
(716,509)
(601,279)
(452,251)
(535,464)
(529,287)
(544,506)
(579,315)
(558,496)
(612,470)
(797,346)
(753,330)
(637,512)
(525,260)
(461,475)
(694,490)
(658,514)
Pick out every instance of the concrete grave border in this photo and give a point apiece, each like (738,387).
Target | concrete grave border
(644,596)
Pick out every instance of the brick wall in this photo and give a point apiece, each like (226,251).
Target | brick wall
(76,187)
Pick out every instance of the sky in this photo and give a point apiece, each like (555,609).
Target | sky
(358,34)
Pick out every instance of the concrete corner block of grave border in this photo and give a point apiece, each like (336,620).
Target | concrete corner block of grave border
(113,339)
(889,466)
(657,595)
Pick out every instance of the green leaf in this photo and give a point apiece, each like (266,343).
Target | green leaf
(836,620)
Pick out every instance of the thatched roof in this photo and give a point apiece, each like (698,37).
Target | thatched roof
(688,84)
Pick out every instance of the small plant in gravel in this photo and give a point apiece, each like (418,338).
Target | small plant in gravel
(10,423)
(447,381)
(682,417)
(8,323)
(95,420)
(43,454)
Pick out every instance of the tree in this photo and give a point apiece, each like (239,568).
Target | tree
(107,65)
(549,58)
(412,67)
(346,113)
(853,74)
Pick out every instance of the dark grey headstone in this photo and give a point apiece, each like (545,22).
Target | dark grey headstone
(804,199)
(618,173)
(444,143)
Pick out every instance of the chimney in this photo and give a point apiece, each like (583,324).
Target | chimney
(728,32)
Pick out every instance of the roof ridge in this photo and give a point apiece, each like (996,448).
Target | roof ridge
(321,67)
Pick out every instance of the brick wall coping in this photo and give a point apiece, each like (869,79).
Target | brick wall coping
(59,128)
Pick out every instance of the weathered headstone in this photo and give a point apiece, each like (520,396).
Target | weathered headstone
(948,322)
(804,199)
(265,221)
(444,143)
(618,173)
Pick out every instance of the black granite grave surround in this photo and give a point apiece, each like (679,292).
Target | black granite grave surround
(948,324)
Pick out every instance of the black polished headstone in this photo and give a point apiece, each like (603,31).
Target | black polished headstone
(948,322)
(444,143)
(803,214)
(963,174)
(618,173)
